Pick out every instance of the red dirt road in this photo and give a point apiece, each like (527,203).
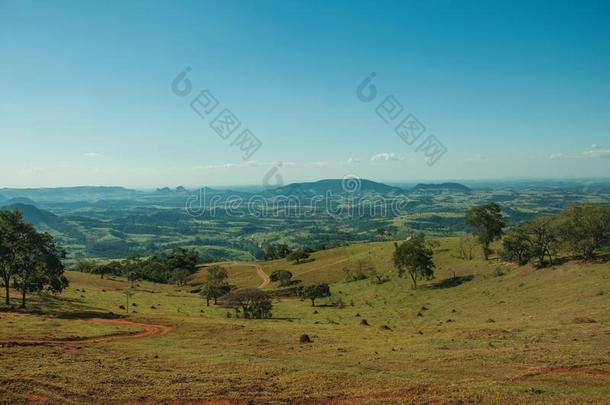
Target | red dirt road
(147,331)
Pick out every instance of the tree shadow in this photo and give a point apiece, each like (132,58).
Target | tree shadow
(601,258)
(87,314)
(451,282)
(59,307)
(303,261)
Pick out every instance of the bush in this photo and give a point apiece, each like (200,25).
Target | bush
(283,277)
(315,291)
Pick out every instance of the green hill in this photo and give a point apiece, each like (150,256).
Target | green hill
(45,220)
(484,332)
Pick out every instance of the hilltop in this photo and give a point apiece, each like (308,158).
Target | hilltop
(336,186)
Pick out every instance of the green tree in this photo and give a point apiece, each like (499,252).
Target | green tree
(298,255)
(543,235)
(414,256)
(180,276)
(181,258)
(466,247)
(516,246)
(102,269)
(216,284)
(487,223)
(315,291)
(12,242)
(283,277)
(31,260)
(214,291)
(41,265)
(133,276)
(254,303)
(585,229)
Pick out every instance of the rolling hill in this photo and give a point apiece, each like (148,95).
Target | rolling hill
(46,221)
(483,332)
(335,186)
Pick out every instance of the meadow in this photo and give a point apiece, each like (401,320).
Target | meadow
(480,332)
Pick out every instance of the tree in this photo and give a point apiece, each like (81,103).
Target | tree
(181,258)
(315,291)
(214,291)
(487,223)
(298,255)
(85,266)
(217,273)
(254,303)
(382,234)
(543,236)
(277,251)
(283,277)
(41,265)
(216,284)
(585,229)
(415,257)
(466,246)
(180,276)
(12,234)
(133,276)
(516,246)
(30,259)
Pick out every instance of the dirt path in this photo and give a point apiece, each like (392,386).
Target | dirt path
(147,331)
(263,275)
(570,370)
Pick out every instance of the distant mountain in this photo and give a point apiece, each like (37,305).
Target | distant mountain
(442,187)
(70,194)
(17,200)
(335,186)
(45,220)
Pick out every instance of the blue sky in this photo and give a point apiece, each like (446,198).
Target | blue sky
(511,89)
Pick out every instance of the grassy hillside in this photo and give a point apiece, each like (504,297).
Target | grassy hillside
(241,275)
(481,332)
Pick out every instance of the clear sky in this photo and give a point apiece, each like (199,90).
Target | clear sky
(511,89)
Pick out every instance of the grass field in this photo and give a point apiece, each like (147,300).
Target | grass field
(481,332)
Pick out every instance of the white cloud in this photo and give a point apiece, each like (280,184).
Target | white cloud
(385,157)
(479,158)
(353,160)
(597,151)
(594,152)
(91,154)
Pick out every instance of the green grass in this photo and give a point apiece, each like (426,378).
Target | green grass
(518,337)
